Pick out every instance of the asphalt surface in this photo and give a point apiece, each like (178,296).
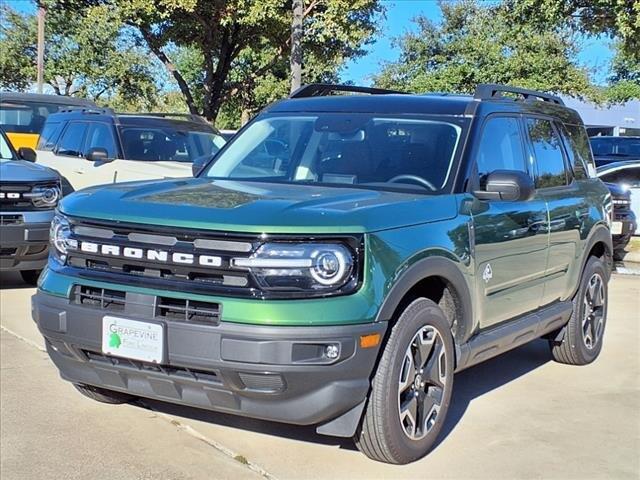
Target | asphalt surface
(517,416)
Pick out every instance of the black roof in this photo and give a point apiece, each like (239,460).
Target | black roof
(40,98)
(179,122)
(488,98)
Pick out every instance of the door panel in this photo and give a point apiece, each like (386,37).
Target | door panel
(511,243)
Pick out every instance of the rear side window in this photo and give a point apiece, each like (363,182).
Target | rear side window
(500,147)
(101,136)
(49,136)
(547,151)
(578,165)
(581,146)
(72,139)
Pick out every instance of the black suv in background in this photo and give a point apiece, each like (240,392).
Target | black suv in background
(29,194)
(614,149)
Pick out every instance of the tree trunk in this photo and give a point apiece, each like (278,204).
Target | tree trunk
(296,44)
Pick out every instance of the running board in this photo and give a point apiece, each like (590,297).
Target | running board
(512,334)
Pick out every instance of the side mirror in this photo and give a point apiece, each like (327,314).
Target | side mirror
(28,154)
(198,164)
(507,185)
(98,154)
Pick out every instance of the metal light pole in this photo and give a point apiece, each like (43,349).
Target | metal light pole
(296,44)
(40,65)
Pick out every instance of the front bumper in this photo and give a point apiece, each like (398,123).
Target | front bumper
(263,372)
(24,239)
(629,226)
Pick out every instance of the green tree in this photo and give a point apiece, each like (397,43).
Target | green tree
(232,51)
(479,43)
(87,54)
(624,81)
(619,19)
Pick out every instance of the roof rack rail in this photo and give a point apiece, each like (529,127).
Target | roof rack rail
(189,116)
(88,110)
(325,89)
(487,91)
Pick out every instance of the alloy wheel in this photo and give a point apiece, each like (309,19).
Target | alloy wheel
(422,382)
(594,311)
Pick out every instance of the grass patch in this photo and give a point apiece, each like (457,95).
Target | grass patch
(242,459)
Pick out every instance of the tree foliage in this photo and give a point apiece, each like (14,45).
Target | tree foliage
(478,43)
(236,50)
(619,19)
(87,54)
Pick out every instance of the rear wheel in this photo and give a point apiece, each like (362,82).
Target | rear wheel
(30,276)
(103,395)
(582,341)
(411,389)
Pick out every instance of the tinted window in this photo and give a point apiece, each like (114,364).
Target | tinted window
(49,135)
(581,147)
(627,176)
(548,153)
(616,146)
(101,136)
(577,165)
(359,149)
(500,147)
(168,143)
(72,138)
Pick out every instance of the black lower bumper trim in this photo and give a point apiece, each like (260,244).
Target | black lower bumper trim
(255,371)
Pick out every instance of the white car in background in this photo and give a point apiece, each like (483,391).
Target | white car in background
(627,176)
(89,146)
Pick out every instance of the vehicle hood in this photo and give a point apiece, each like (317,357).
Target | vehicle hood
(23,171)
(236,206)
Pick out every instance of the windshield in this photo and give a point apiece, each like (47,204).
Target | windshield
(5,150)
(616,146)
(168,143)
(339,149)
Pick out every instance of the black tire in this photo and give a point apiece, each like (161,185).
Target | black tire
(618,255)
(30,276)
(582,341)
(382,435)
(102,395)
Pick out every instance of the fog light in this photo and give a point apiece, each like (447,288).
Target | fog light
(331,351)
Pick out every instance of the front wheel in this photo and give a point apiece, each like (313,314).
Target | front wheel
(411,389)
(30,276)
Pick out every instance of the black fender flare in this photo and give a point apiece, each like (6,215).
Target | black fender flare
(600,233)
(431,267)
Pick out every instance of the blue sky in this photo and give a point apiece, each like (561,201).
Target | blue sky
(596,52)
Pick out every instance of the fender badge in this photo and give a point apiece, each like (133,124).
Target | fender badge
(487,274)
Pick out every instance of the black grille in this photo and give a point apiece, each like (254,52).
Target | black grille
(169,309)
(170,371)
(263,382)
(12,196)
(149,273)
(187,310)
(100,298)
(11,220)
(8,252)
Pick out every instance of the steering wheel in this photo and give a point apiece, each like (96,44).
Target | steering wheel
(413,178)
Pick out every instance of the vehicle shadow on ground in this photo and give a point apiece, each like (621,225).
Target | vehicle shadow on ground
(12,280)
(469,384)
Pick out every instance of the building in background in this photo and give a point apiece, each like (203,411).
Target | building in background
(618,120)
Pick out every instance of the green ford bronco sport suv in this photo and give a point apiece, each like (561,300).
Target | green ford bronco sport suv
(337,262)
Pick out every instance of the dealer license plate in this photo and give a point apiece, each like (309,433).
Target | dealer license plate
(132,339)
(616,228)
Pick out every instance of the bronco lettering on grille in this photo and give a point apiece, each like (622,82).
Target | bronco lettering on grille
(153,255)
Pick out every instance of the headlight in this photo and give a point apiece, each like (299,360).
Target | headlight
(313,267)
(45,196)
(60,238)
(621,201)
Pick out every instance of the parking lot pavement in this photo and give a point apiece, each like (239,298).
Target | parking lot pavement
(517,416)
